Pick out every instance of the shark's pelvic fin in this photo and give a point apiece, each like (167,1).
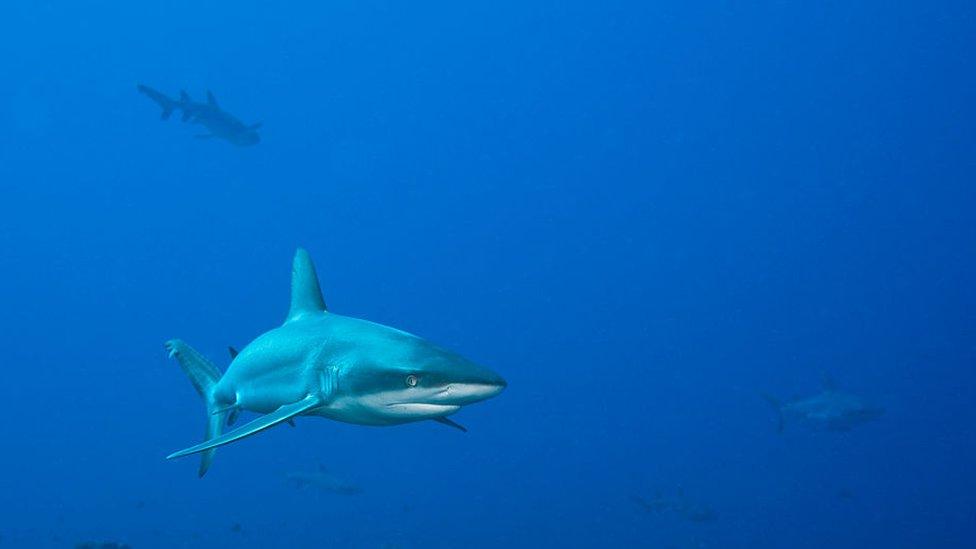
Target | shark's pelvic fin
(203,375)
(306,296)
(451,423)
(284,413)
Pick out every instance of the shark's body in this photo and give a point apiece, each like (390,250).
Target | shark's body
(322,364)
(220,123)
(829,410)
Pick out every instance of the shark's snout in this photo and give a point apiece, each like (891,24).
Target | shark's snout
(468,393)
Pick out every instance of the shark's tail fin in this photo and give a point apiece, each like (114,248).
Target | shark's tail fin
(778,406)
(164,102)
(204,376)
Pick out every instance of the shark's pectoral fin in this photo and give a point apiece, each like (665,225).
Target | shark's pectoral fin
(451,423)
(284,413)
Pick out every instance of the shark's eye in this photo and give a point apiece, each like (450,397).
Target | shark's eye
(411,380)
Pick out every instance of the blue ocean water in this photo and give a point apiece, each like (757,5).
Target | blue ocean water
(644,215)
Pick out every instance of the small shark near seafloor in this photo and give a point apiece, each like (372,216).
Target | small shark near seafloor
(679,505)
(829,410)
(319,363)
(323,481)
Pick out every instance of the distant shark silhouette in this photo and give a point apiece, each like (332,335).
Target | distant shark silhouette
(323,481)
(221,124)
(830,410)
(679,504)
(322,364)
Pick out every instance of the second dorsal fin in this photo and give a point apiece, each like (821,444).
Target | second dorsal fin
(306,296)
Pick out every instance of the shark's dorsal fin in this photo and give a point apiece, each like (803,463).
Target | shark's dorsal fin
(306,296)
(211,100)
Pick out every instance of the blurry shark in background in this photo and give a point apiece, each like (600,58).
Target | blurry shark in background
(322,480)
(679,504)
(221,124)
(829,410)
(322,364)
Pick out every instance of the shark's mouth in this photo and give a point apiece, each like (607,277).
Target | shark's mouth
(437,402)
(423,408)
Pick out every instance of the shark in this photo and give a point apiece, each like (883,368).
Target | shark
(220,123)
(829,410)
(323,481)
(321,364)
(680,505)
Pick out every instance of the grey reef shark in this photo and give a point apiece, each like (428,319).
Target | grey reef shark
(220,123)
(829,410)
(322,364)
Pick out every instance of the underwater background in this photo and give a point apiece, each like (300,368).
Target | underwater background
(644,215)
